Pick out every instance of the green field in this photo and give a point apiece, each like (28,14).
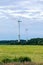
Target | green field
(12,51)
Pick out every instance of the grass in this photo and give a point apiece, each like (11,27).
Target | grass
(12,51)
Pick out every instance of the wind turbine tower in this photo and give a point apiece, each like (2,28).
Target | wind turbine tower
(26,34)
(19,30)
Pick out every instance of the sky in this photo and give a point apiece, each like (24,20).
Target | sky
(29,12)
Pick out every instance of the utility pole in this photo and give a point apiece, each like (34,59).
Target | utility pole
(19,30)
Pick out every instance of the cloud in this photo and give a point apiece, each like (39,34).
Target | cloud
(24,8)
(38,14)
(31,14)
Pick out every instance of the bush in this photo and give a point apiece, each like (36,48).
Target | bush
(23,59)
(20,59)
(16,59)
(6,60)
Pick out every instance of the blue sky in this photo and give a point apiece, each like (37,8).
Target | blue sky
(30,12)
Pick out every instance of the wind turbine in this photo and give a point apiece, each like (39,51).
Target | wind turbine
(26,34)
(19,30)
(18,26)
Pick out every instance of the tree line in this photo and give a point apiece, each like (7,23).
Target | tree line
(33,41)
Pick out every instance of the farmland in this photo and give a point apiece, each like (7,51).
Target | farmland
(12,51)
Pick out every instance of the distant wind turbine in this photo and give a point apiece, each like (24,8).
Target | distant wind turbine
(26,34)
(19,30)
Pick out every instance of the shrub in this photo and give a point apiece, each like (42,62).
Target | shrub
(23,59)
(27,59)
(6,60)
(20,59)
(16,59)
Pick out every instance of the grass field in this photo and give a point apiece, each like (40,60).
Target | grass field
(12,51)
